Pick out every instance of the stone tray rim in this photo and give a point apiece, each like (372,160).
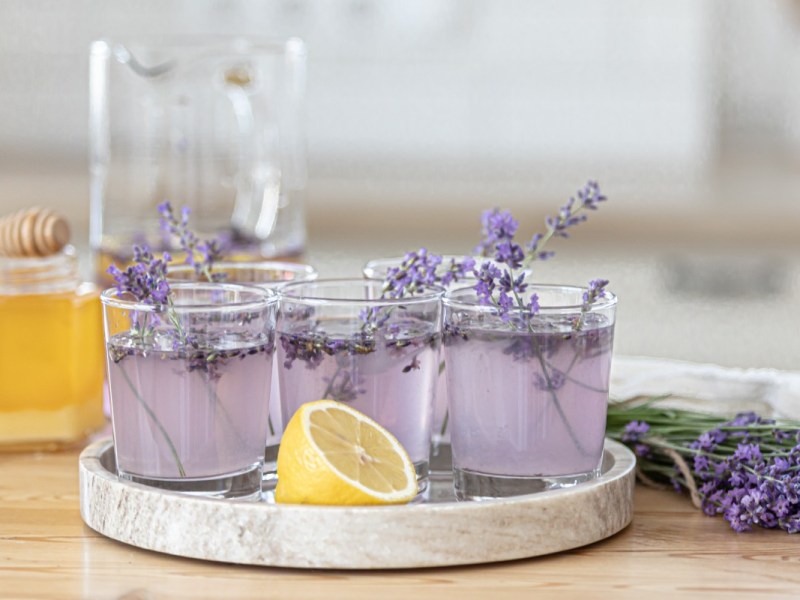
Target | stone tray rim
(417,535)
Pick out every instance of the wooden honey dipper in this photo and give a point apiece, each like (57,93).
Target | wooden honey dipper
(33,232)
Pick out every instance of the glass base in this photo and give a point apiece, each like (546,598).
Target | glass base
(423,470)
(242,485)
(470,485)
(269,475)
(441,458)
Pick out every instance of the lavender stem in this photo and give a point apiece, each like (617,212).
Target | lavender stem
(155,420)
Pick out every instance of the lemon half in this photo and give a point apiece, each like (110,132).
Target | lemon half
(333,454)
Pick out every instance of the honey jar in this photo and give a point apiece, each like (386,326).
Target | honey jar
(51,353)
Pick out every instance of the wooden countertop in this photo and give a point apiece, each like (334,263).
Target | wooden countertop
(670,549)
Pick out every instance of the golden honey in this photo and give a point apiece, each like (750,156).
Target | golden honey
(51,354)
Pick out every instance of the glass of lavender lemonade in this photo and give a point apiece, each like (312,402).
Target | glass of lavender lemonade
(341,339)
(440,439)
(527,390)
(270,275)
(189,381)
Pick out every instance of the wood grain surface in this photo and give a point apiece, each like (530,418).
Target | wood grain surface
(670,550)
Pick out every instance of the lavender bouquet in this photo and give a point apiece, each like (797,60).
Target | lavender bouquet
(745,468)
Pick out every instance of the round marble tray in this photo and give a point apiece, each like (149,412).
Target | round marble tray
(437,532)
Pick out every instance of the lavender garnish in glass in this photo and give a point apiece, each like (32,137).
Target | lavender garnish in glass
(189,366)
(501,281)
(346,340)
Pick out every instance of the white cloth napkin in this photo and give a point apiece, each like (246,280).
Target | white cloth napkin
(707,387)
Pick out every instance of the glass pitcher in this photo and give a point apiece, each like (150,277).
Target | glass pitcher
(215,124)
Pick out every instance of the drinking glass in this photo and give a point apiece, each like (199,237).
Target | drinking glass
(440,448)
(527,394)
(271,275)
(339,339)
(189,386)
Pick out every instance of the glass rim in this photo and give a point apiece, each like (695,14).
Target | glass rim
(371,266)
(432,292)
(605,302)
(260,265)
(111,297)
(395,261)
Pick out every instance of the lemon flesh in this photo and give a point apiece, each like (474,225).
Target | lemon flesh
(333,454)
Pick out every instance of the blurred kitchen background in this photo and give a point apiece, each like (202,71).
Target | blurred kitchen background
(421,113)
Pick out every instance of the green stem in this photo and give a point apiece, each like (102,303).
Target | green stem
(213,398)
(546,375)
(662,443)
(585,386)
(557,404)
(443,430)
(329,388)
(155,420)
(173,318)
(546,238)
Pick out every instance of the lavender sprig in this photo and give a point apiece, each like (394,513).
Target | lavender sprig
(201,255)
(145,279)
(594,291)
(588,198)
(421,270)
(502,288)
(746,469)
(417,272)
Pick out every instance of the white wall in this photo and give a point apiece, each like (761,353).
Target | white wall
(427,101)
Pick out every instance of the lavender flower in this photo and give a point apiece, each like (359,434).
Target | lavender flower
(568,216)
(726,469)
(209,251)
(503,288)
(421,270)
(635,430)
(487,278)
(145,279)
(595,290)
(497,226)
(311,348)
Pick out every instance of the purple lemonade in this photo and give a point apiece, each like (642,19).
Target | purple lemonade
(270,275)
(445,269)
(558,429)
(391,378)
(527,394)
(189,415)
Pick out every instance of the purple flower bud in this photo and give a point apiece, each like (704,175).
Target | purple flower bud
(635,430)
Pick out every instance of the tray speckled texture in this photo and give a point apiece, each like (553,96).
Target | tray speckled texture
(439,532)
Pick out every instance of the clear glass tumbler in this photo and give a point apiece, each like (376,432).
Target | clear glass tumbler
(271,275)
(210,122)
(338,339)
(527,396)
(189,386)
(440,449)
